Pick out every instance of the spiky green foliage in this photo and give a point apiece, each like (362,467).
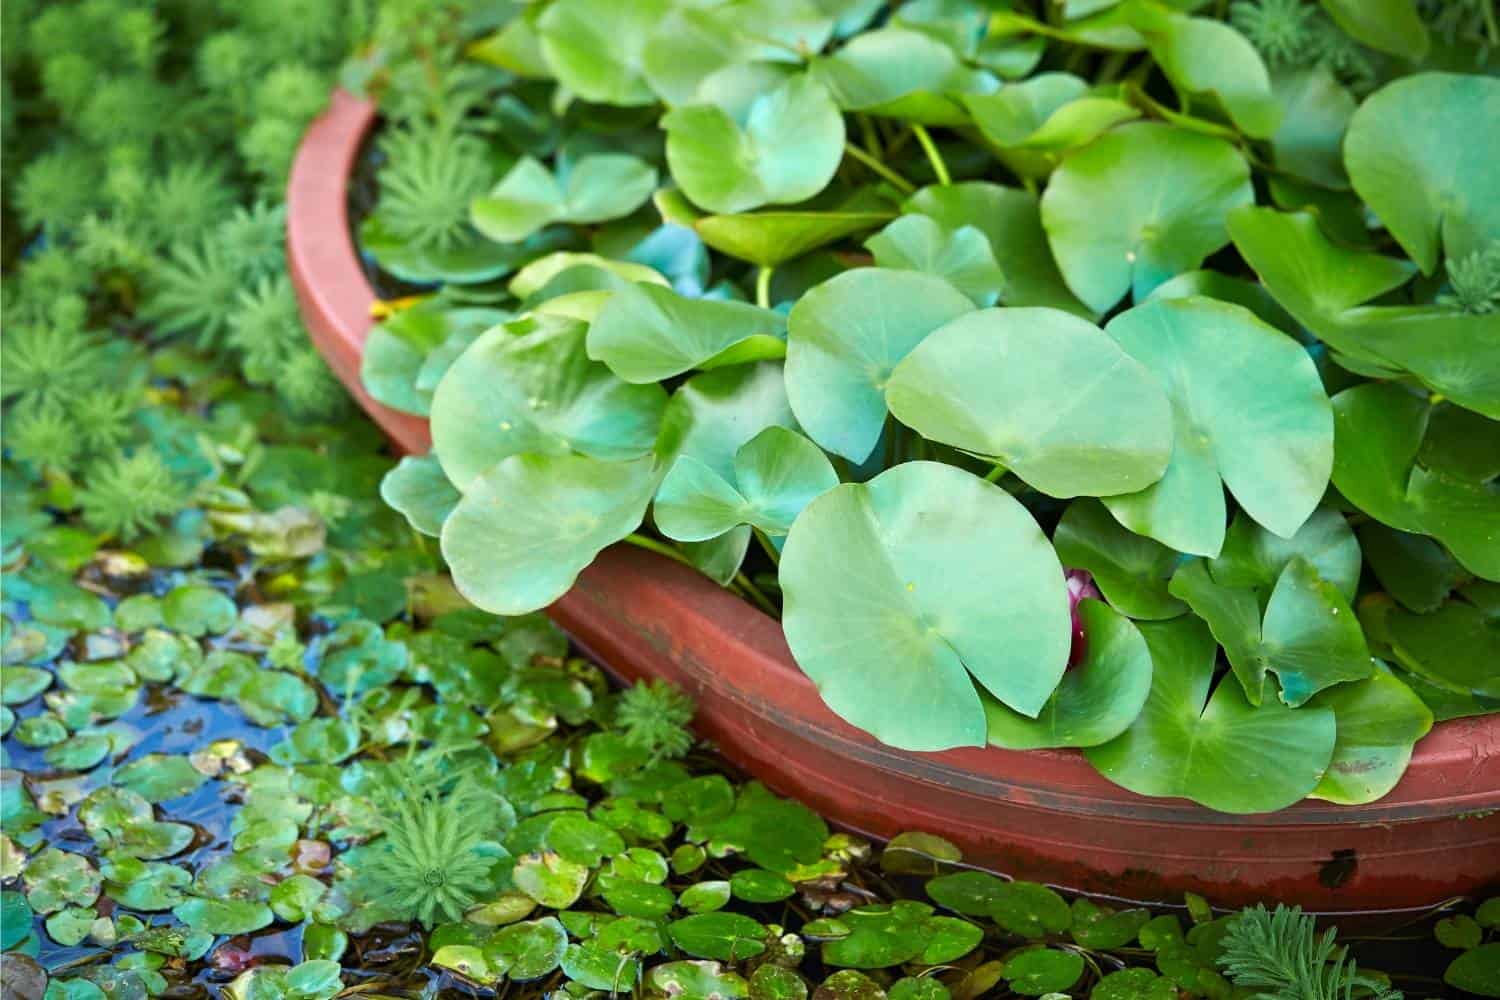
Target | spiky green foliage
(1474,281)
(309,388)
(1280,955)
(266,328)
(430,177)
(103,417)
(1280,29)
(57,190)
(253,240)
(125,496)
(189,199)
(48,363)
(192,293)
(654,716)
(429,863)
(1464,21)
(43,435)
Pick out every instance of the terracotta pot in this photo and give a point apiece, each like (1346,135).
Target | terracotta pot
(1043,815)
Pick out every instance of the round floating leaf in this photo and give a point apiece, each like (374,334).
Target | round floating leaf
(596,47)
(880,936)
(1029,909)
(158,777)
(1393,26)
(775,833)
(1454,647)
(594,188)
(1132,571)
(1206,57)
(728,937)
(646,333)
(849,984)
(1219,751)
(550,879)
(769,238)
(223,916)
(397,350)
(472,259)
(1421,152)
(1096,700)
(1476,970)
(845,338)
(1033,123)
(756,885)
(777,474)
(785,150)
(1044,393)
(596,969)
(55,879)
(1139,205)
(197,610)
(416,488)
(691,980)
(530,387)
(1010,219)
(704,897)
(1253,557)
(962,257)
(1043,970)
(528,526)
(901,73)
(1309,637)
(888,607)
(1315,111)
(1379,720)
(972,893)
(1248,407)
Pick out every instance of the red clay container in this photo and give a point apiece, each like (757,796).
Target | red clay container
(1043,815)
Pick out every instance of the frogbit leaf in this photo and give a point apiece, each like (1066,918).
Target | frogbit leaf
(889,611)
(777,473)
(962,256)
(769,238)
(845,338)
(901,73)
(1033,123)
(417,488)
(646,333)
(1142,203)
(529,525)
(594,188)
(1202,56)
(595,47)
(1379,720)
(1248,406)
(529,386)
(1096,700)
(1220,751)
(1043,392)
(1421,152)
(1309,637)
(785,150)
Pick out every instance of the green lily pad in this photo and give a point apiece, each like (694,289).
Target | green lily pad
(394,362)
(1029,909)
(528,526)
(1393,26)
(698,981)
(1044,393)
(1141,204)
(198,610)
(1253,557)
(777,834)
(1132,571)
(1244,758)
(1096,699)
(880,936)
(1420,154)
(55,879)
(1208,58)
(596,969)
(769,238)
(1309,637)
(1011,220)
(550,879)
(971,893)
(591,189)
(1041,971)
(845,338)
(962,257)
(1315,111)
(772,982)
(870,575)
(469,260)
(530,387)
(595,48)
(901,73)
(1454,647)
(756,885)
(646,333)
(1248,408)
(145,885)
(1379,721)
(417,488)
(728,937)
(777,474)
(527,951)
(1033,123)
(1476,970)
(223,916)
(158,777)
(1102,928)
(785,149)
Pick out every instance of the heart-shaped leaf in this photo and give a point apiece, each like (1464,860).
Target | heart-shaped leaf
(1393,26)
(845,338)
(646,333)
(1455,647)
(785,150)
(1043,392)
(1219,751)
(1141,204)
(1315,111)
(888,610)
(594,188)
(397,349)
(1034,122)
(769,238)
(901,73)
(1309,637)
(1012,222)
(595,47)
(1248,406)
(1205,57)
(1253,557)
(1379,721)
(1131,570)
(529,386)
(962,257)
(1096,700)
(529,525)
(777,473)
(1421,152)
(417,489)
(472,258)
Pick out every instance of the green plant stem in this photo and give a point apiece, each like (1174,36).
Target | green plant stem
(872,137)
(755,594)
(879,168)
(1110,68)
(660,548)
(933,156)
(768,547)
(763,287)
(994,474)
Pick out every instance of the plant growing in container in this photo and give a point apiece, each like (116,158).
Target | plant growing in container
(884,317)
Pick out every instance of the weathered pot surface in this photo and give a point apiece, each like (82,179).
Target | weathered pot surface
(1043,815)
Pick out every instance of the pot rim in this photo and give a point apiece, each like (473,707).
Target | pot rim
(1454,770)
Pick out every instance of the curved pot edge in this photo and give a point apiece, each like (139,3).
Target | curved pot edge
(1454,772)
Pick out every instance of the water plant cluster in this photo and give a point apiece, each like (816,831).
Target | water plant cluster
(884,315)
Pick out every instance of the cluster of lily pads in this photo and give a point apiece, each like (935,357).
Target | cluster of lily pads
(268,751)
(929,301)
